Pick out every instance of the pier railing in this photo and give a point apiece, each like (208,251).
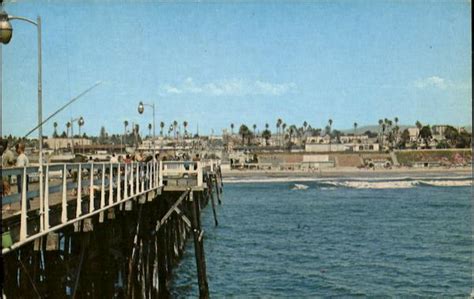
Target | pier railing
(77,191)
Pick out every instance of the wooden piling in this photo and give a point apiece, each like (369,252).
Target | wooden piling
(198,247)
(217,190)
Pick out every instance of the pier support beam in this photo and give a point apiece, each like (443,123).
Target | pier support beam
(198,246)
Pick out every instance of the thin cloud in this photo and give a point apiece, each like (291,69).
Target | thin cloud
(437,82)
(234,87)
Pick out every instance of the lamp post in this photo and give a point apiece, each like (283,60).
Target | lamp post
(141,109)
(6,32)
(80,122)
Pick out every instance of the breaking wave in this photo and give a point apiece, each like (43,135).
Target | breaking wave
(362,183)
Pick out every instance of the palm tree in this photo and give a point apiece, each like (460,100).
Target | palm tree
(266,126)
(175,126)
(162,125)
(55,125)
(419,126)
(232,129)
(137,129)
(355,128)
(68,126)
(244,131)
(149,129)
(254,128)
(290,132)
(125,125)
(283,127)
(266,135)
(278,124)
(330,129)
(305,125)
(380,131)
(185,125)
(396,129)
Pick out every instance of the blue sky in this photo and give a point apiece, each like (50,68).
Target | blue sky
(216,63)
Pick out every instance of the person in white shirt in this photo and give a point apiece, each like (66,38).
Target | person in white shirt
(113,159)
(22,161)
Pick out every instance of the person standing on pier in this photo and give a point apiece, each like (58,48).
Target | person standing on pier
(196,159)
(8,160)
(22,161)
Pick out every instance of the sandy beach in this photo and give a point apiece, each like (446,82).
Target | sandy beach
(352,172)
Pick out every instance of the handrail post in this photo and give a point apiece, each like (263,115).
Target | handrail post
(199,175)
(23,222)
(41,196)
(137,178)
(160,174)
(111,185)
(148,176)
(142,177)
(102,189)
(119,183)
(46,198)
(152,174)
(79,191)
(64,197)
(91,188)
(125,181)
(132,190)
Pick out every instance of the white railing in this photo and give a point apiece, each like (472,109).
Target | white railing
(122,182)
(63,186)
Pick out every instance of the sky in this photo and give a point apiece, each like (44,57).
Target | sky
(213,63)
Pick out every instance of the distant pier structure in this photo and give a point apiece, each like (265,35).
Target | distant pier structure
(104,230)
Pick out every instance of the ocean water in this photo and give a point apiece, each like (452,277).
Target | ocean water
(379,237)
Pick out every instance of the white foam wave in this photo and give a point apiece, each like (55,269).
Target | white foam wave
(449,183)
(236,180)
(362,183)
(375,184)
(300,187)
(399,184)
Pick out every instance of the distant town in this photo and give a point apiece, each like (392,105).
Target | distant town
(272,146)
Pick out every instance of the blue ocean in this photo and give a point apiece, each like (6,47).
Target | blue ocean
(321,238)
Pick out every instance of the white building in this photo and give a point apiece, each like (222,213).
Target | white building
(341,147)
(414,133)
(65,143)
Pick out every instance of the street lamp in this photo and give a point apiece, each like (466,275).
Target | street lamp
(141,109)
(5,28)
(6,32)
(80,122)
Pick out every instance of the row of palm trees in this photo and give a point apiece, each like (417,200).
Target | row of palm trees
(68,127)
(174,128)
(389,132)
(283,131)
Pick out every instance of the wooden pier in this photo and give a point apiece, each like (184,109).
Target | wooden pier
(105,230)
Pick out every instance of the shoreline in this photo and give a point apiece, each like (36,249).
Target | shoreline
(350,172)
